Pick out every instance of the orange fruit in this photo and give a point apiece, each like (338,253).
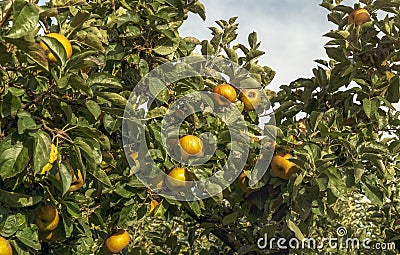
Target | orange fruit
(46,218)
(251,98)
(63,40)
(282,167)
(5,247)
(191,144)
(359,17)
(180,176)
(226,91)
(118,241)
(242,183)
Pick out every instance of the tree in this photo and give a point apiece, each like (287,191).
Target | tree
(62,126)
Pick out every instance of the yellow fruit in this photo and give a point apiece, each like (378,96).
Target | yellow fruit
(191,144)
(180,176)
(118,241)
(76,183)
(359,17)
(226,91)
(242,183)
(282,167)
(251,98)
(153,206)
(5,247)
(46,218)
(51,236)
(63,40)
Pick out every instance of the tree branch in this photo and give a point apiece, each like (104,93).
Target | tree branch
(222,234)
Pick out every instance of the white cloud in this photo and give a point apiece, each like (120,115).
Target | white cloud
(290,32)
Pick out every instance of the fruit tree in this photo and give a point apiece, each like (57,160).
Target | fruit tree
(67,72)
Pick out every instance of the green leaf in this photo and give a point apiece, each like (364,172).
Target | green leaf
(165,46)
(87,152)
(73,209)
(5,56)
(41,151)
(252,38)
(29,237)
(195,206)
(93,108)
(295,229)
(25,122)
(230,218)
(91,37)
(80,18)
(78,83)
(393,91)
(206,48)
(56,48)
(65,177)
(25,21)
(13,159)
(156,112)
(370,107)
(158,89)
(33,51)
(68,226)
(114,98)
(77,60)
(11,224)
(372,191)
(104,79)
(16,200)
(101,176)
(232,55)
(198,8)
(10,105)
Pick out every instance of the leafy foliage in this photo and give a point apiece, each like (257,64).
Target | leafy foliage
(341,125)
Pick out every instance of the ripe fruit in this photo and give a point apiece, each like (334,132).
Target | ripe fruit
(282,167)
(5,247)
(359,17)
(51,236)
(76,183)
(180,176)
(250,98)
(242,183)
(191,144)
(226,91)
(46,218)
(63,40)
(153,205)
(118,241)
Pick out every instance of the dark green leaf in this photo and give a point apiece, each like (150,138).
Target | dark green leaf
(41,151)
(24,22)
(16,200)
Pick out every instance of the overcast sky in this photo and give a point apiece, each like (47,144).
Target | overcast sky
(290,31)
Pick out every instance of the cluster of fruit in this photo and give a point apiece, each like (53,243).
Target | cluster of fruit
(47,219)
(192,146)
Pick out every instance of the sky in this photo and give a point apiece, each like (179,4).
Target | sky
(291,31)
